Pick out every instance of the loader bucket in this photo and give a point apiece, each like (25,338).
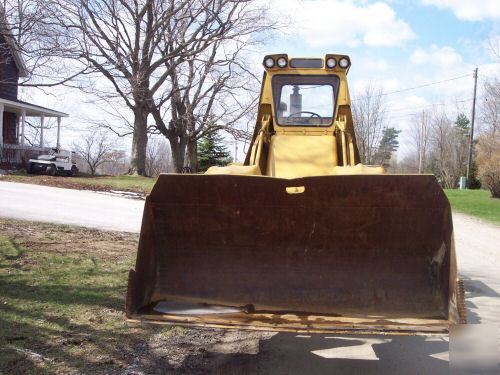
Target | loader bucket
(315,254)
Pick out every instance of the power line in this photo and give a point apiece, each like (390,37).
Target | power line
(424,85)
(425,106)
(416,87)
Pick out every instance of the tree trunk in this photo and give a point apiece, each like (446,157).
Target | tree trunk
(139,142)
(178,148)
(192,150)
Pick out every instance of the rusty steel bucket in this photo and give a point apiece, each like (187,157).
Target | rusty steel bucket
(317,254)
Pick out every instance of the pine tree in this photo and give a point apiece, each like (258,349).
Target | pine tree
(463,130)
(462,123)
(388,144)
(462,142)
(212,151)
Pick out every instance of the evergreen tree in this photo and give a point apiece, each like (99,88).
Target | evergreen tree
(388,144)
(212,151)
(462,130)
(462,123)
(462,147)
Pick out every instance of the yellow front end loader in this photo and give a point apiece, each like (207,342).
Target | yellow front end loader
(301,237)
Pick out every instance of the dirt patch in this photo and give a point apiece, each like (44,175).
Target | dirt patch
(55,181)
(64,240)
(199,351)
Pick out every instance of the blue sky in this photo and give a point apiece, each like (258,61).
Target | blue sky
(394,44)
(400,44)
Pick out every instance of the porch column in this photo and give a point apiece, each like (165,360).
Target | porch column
(1,125)
(18,120)
(23,121)
(58,133)
(42,120)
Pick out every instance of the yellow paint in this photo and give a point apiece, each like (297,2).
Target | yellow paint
(295,189)
(300,151)
(292,156)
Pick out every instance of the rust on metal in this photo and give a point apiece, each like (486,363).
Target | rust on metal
(347,246)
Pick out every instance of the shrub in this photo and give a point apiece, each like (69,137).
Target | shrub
(488,162)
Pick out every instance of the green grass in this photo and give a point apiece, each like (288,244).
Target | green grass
(128,183)
(61,302)
(476,203)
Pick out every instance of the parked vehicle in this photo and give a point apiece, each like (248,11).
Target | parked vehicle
(301,237)
(58,162)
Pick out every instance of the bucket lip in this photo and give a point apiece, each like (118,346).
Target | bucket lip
(299,323)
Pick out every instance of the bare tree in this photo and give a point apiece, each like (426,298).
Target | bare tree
(448,148)
(117,163)
(488,160)
(158,157)
(95,149)
(212,93)
(32,131)
(368,110)
(27,27)
(419,132)
(488,143)
(494,46)
(490,107)
(442,144)
(408,164)
(138,46)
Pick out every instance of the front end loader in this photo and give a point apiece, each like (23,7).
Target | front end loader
(301,237)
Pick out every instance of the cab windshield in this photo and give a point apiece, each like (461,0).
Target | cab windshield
(305,100)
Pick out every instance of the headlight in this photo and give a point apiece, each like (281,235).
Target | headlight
(331,63)
(344,62)
(282,62)
(269,62)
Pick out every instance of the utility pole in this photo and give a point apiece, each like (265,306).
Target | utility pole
(421,148)
(471,138)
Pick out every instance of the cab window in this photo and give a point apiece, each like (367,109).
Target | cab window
(305,100)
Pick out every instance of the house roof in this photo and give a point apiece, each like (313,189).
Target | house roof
(12,44)
(17,106)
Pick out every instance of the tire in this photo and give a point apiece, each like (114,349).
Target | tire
(30,170)
(51,170)
(74,171)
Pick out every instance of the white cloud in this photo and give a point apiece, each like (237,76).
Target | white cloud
(442,57)
(387,85)
(370,65)
(324,23)
(469,10)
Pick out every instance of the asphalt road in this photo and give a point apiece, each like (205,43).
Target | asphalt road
(478,253)
(66,206)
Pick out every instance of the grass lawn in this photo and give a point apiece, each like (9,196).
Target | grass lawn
(61,299)
(137,184)
(476,203)
(126,183)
